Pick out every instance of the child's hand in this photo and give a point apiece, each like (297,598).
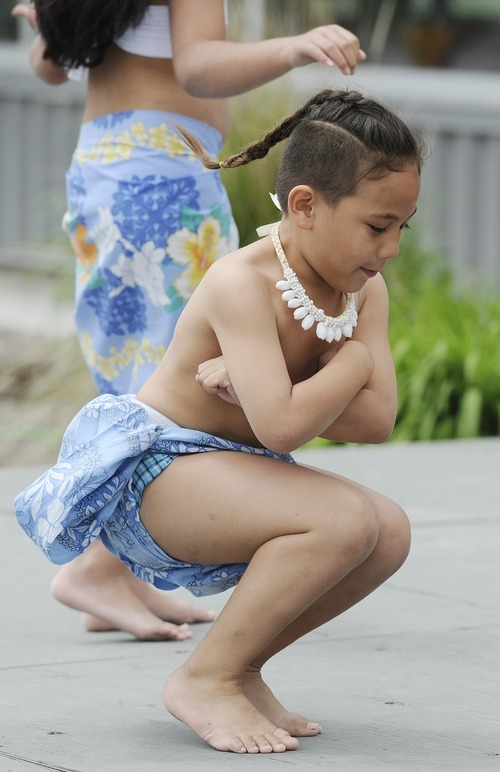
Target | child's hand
(47,70)
(328,45)
(213,377)
(27,11)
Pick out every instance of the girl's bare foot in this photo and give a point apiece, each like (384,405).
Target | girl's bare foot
(162,604)
(220,714)
(107,595)
(166,606)
(261,696)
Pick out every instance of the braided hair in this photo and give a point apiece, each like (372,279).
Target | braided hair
(335,140)
(78,32)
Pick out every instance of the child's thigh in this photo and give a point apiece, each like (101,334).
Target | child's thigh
(384,506)
(220,507)
(393,522)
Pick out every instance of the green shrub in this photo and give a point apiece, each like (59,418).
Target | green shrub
(446,352)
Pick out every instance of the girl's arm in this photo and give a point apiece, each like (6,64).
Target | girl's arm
(206,65)
(370,416)
(282,415)
(45,69)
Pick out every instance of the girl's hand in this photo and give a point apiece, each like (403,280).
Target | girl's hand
(26,11)
(329,45)
(213,377)
(46,69)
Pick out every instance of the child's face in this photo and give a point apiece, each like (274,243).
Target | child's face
(357,237)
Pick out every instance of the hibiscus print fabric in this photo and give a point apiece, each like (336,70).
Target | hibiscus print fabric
(146,220)
(91,492)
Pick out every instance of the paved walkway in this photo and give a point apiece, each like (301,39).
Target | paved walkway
(408,680)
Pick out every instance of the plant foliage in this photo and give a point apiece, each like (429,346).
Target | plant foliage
(446,352)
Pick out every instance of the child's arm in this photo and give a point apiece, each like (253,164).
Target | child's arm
(371,414)
(282,415)
(45,69)
(206,65)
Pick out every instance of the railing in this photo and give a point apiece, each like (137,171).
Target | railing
(459,209)
(38,131)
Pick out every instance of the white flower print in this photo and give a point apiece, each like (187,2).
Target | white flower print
(144,270)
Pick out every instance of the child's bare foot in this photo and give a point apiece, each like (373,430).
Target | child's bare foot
(161,604)
(107,595)
(264,700)
(222,715)
(166,606)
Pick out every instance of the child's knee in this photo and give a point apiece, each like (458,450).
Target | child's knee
(399,532)
(364,524)
(394,535)
(352,527)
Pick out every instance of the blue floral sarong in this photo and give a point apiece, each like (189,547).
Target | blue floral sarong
(109,452)
(146,220)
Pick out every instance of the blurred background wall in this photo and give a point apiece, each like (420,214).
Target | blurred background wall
(437,61)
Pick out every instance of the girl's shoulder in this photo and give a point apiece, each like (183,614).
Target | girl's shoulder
(240,278)
(250,262)
(373,292)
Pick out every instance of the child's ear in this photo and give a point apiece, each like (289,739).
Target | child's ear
(301,201)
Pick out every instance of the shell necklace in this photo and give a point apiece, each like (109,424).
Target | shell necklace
(328,328)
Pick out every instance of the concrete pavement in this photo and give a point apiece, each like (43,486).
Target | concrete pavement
(408,680)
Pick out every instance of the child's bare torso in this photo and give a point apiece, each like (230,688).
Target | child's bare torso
(151,85)
(173,390)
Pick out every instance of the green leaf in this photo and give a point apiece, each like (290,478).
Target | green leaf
(469,415)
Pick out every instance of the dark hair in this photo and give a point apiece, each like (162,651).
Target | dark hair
(334,141)
(78,32)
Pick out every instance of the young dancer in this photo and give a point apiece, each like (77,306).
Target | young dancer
(144,217)
(192,489)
